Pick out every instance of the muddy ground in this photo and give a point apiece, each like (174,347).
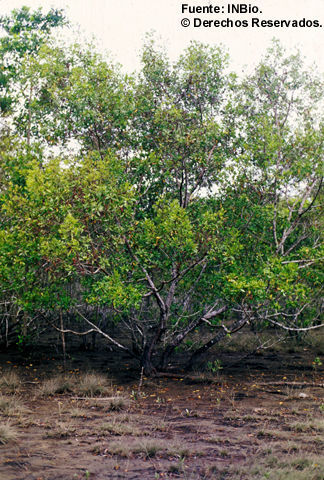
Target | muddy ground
(260,417)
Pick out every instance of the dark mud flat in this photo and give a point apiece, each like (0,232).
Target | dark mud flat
(259,418)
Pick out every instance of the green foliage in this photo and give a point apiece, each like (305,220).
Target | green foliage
(215,366)
(193,198)
(23,33)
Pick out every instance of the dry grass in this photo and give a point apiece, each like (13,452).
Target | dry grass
(61,430)
(88,384)
(273,467)
(307,427)
(115,403)
(118,403)
(119,429)
(214,440)
(7,433)
(316,342)
(52,386)
(12,406)
(146,449)
(77,412)
(91,384)
(178,450)
(177,469)
(10,382)
(149,448)
(160,426)
(245,342)
(293,468)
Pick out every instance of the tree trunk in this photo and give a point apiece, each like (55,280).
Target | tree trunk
(146,361)
(150,346)
(166,356)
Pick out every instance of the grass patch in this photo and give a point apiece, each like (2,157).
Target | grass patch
(160,426)
(264,434)
(77,412)
(11,406)
(307,427)
(62,430)
(91,384)
(146,449)
(299,469)
(231,416)
(250,419)
(214,440)
(177,469)
(55,385)
(150,448)
(279,467)
(10,382)
(179,451)
(88,385)
(119,428)
(120,449)
(7,433)
(116,404)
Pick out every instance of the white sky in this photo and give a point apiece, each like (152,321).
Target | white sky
(120,26)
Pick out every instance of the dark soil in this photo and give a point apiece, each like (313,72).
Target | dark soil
(259,417)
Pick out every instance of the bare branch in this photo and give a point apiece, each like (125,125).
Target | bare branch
(294,329)
(105,335)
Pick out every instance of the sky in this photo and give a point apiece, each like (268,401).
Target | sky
(120,26)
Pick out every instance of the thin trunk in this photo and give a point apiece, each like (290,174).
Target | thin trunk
(182,335)
(146,361)
(220,335)
(63,338)
(176,342)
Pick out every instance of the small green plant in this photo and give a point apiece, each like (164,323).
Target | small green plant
(214,367)
(317,363)
(160,400)
(23,341)
(189,413)
(137,395)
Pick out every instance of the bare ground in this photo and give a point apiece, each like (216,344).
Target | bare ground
(262,418)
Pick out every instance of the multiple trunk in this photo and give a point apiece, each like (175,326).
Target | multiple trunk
(149,348)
